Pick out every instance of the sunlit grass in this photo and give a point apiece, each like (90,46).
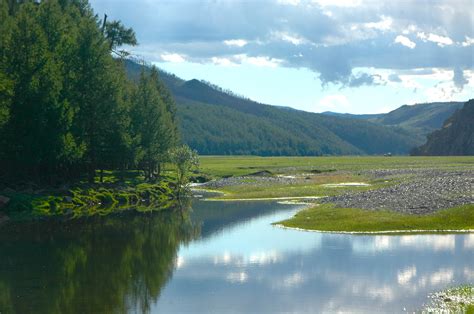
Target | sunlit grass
(220,166)
(329,218)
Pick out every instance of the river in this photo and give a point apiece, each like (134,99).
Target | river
(221,257)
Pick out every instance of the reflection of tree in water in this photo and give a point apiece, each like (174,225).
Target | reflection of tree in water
(104,264)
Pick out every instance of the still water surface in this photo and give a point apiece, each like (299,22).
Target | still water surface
(221,257)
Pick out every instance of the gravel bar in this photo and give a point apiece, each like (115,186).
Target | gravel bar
(426,191)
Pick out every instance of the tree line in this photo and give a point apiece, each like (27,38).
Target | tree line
(67,108)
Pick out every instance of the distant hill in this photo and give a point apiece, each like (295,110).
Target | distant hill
(421,119)
(456,137)
(216,121)
(354,116)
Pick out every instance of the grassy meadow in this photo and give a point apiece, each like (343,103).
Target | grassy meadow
(320,176)
(224,166)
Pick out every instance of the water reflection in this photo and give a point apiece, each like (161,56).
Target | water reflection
(221,257)
(250,266)
(103,265)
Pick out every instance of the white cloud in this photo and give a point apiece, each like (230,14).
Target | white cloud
(338,3)
(384,24)
(259,61)
(410,29)
(236,42)
(405,41)
(289,2)
(223,61)
(334,102)
(291,38)
(172,57)
(440,40)
(468,42)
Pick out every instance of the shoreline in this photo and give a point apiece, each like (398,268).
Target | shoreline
(384,232)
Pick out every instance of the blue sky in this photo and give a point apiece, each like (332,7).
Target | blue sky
(316,55)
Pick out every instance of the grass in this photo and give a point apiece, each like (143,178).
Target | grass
(294,190)
(85,199)
(453,300)
(314,172)
(224,166)
(329,218)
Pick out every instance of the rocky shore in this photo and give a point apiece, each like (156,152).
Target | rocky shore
(424,191)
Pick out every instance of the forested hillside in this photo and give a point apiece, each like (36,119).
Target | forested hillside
(455,138)
(214,121)
(420,119)
(67,108)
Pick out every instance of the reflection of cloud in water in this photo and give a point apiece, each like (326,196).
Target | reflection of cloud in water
(384,293)
(382,243)
(469,241)
(179,262)
(437,242)
(442,276)
(237,277)
(257,258)
(290,281)
(469,273)
(419,242)
(405,276)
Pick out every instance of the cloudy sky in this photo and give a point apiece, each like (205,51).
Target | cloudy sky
(316,55)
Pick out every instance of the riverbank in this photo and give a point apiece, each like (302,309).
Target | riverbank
(85,199)
(328,218)
(359,194)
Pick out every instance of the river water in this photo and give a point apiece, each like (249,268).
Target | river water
(221,257)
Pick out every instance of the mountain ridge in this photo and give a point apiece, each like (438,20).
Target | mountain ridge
(218,122)
(455,138)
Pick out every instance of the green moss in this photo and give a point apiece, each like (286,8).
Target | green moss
(96,199)
(330,218)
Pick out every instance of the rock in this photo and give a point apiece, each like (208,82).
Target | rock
(4,201)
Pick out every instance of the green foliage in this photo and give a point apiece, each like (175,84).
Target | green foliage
(66,105)
(152,124)
(89,200)
(185,160)
(456,138)
(117,35)
(217,122)
(128,257)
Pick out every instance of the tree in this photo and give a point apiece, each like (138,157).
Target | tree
(185,160)
(118,35)
(152,125)
(37,131)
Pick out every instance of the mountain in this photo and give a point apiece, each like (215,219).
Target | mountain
(456,137)
(369,117)
(421,119)
(217,121)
